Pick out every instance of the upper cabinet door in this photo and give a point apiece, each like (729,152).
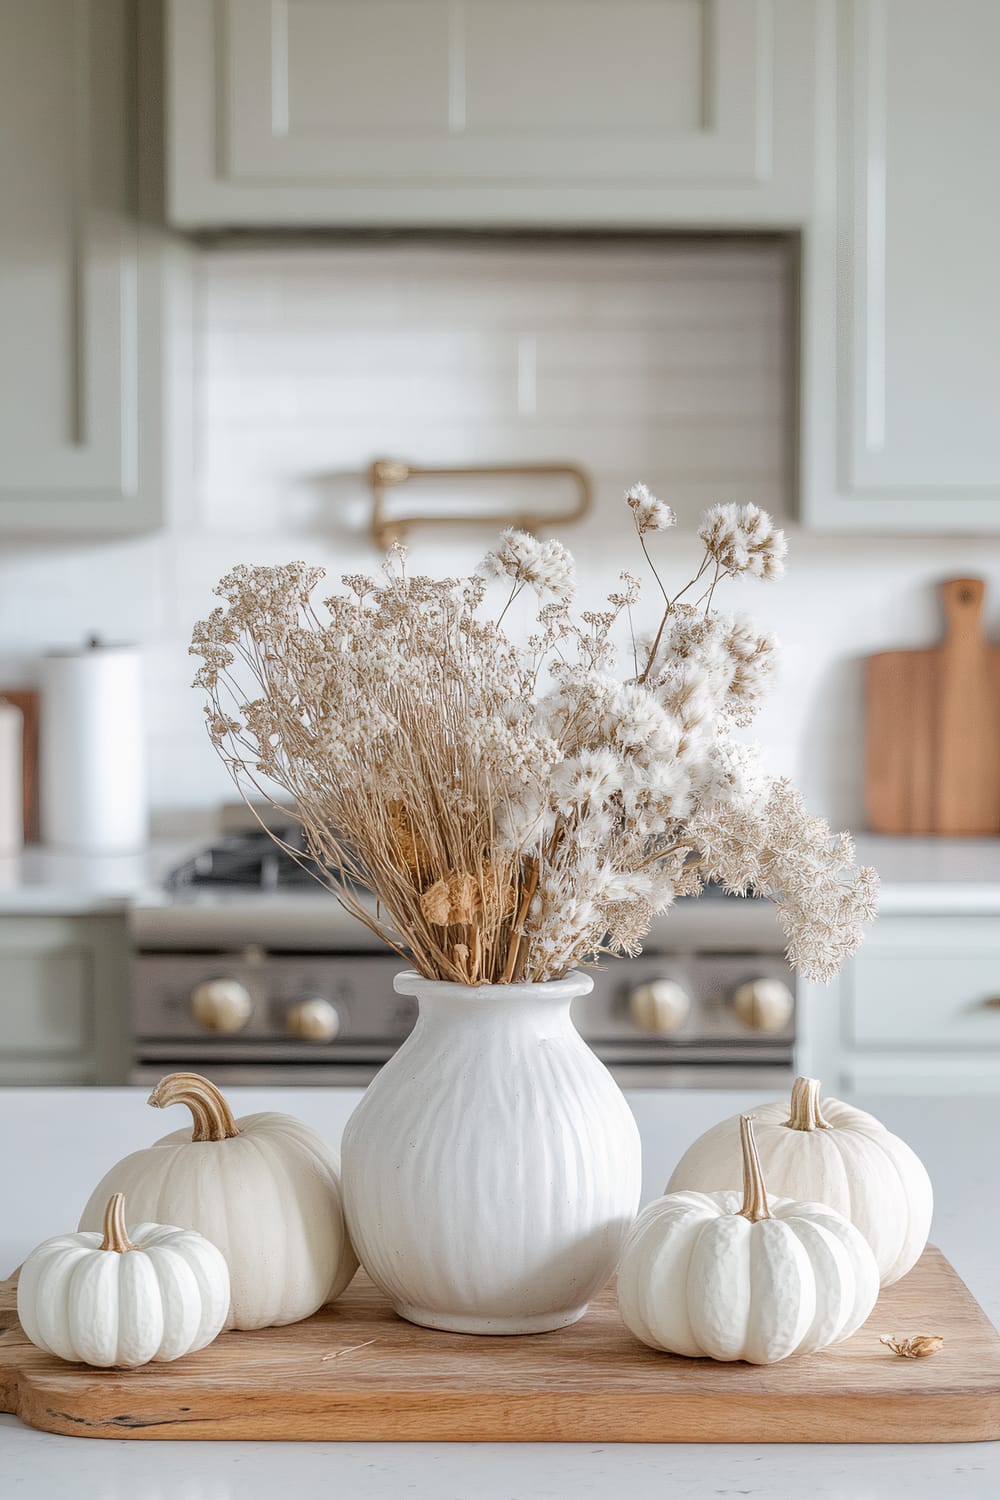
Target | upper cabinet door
(487,111)
(902,391)
(71,280)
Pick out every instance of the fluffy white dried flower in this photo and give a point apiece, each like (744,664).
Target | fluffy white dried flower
(591,776)
(730,658)
(547,567)
(744,540)
(648,513)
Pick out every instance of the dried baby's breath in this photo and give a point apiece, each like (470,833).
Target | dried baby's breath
(519,810)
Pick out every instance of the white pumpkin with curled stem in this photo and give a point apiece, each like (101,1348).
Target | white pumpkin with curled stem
(732,1275)
(151,1292)
(265,1189)
(830,1152)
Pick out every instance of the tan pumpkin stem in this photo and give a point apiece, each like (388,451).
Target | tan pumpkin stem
(754,1193)
(213,1119)
(804,1111)
(115,1234)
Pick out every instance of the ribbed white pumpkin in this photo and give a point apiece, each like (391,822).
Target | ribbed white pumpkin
(122,1299)
(265,1189)
(493,1166)
(735,1275)
(831,1153)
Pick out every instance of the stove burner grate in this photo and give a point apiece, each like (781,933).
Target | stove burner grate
(248,861)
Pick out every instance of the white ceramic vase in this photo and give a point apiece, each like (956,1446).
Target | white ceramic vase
(492,1168)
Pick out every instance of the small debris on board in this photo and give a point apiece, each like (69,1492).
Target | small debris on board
(917,1346)
(351,1349)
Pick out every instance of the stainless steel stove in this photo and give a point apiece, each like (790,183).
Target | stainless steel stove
(244,967)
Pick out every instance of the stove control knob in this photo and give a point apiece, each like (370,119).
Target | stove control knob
(764,1004)
(222,1005)
(661,1006)
(313,1020)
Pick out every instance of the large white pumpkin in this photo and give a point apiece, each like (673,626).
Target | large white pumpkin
(831,1153)
(149,1292)
(265,1189)
(736,1275)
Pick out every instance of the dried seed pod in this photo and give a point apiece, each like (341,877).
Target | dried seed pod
(412,850)
(917,1346)
(463,893)
(435,903)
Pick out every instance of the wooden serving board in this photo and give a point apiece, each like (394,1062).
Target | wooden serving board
(356,1372)
(933,728)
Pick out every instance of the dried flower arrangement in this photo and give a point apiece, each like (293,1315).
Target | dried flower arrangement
(517,810)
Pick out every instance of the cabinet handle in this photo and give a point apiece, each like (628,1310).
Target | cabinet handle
(992,1002)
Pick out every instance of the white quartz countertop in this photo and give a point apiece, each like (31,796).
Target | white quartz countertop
(43,882)
(918,875)
(59,1143)
(934,875)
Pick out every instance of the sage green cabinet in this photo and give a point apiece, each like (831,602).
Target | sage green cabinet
(489,112)
(82,275)
(901,318)
(63,990)
(916,1011)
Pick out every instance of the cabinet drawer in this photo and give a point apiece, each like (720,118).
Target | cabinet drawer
(45,1002)
(942,999)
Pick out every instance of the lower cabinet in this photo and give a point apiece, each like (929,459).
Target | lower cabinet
(63,986)
(918,1010)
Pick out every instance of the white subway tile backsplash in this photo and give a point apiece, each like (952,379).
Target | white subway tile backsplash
(668,357)
(731,347)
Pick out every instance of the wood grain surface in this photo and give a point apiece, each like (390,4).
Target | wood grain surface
(357,1372)
(933,728)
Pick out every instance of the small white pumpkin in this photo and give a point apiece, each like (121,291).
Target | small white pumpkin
(831,1153)
(735,1276)
(149,1292)
(265,1189)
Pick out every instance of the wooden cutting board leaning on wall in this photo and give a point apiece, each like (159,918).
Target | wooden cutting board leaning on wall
(27,701)
(933,716)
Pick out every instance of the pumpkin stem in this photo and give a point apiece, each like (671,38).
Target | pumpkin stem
(213,1119)
(804,1111)
(754,1193)
(115,1233)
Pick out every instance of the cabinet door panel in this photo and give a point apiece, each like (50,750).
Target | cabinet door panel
(904,299)
(348,90)
(47,1002)
(63,983)
(923,218)
(495,113)
(68,252)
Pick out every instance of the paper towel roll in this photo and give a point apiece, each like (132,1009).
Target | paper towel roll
(92,761)
(11,779)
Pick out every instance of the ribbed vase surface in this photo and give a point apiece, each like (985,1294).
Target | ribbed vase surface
(493,1166)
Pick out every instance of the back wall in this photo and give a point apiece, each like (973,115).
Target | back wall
(667,361)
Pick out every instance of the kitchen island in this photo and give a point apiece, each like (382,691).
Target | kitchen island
(59,1143)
